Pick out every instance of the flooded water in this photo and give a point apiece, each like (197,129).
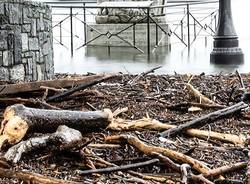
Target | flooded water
(175,59)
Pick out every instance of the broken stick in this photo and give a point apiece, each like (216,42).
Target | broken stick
(19,119)
(151,150)
(209,118)
(198,95)
(78,88)
(152,124)
(119,168)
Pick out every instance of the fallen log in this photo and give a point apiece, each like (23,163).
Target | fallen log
(28,177)
(18,120)
(151,150)
(64,136)
(209,118)
(83,86)
(57,83)
(151,124)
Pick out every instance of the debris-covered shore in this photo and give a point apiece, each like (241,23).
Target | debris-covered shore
(142,106)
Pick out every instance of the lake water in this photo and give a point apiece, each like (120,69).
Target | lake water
(175,59)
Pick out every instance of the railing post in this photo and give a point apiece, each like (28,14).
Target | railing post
(134,35)
(182,30)
(85,27)
(60,27)
(148,29)
(188,25)
(71,32)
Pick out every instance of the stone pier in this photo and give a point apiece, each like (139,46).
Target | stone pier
(26,46)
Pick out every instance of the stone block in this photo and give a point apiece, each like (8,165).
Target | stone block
(27,14)
(40,23)
(40,72)
(1,58)
(17,73)
(8,59)
(25,42)
(33,32)
(1,8)
(26,28)
(17,45)
(3,40)
(15,13)
(4,74)
(33,44)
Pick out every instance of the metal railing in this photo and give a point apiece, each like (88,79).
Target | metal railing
(191,23)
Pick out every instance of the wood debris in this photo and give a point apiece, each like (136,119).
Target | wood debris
(59,131)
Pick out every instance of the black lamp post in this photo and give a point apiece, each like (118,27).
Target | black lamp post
(226,45)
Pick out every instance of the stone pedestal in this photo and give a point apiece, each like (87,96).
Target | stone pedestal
(226,45)
(130,20)
(26,48)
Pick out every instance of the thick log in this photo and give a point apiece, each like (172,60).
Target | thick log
(152,124)
(83,86)
(151,150)
(209,118)
(18,120)
(35,86)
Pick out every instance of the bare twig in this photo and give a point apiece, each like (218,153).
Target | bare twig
(119,168)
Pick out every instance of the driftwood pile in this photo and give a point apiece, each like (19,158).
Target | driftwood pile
(126,129)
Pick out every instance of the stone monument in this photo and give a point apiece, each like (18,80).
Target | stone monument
(26,47)
(115,18)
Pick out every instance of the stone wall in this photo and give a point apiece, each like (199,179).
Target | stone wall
(26,48)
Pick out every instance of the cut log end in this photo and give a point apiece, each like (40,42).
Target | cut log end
(14,130)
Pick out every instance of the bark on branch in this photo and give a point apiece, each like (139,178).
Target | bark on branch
(209,118)
(150,150)
(151,124)
(18,120)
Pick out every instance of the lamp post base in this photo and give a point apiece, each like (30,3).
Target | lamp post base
(224,55)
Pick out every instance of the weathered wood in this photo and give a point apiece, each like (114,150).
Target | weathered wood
(19,119)
(28,177)
(150,150)
(209,118)
(35,86)
(225,169)
(83,86)
(198,95)
(152,124)
(64,136)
